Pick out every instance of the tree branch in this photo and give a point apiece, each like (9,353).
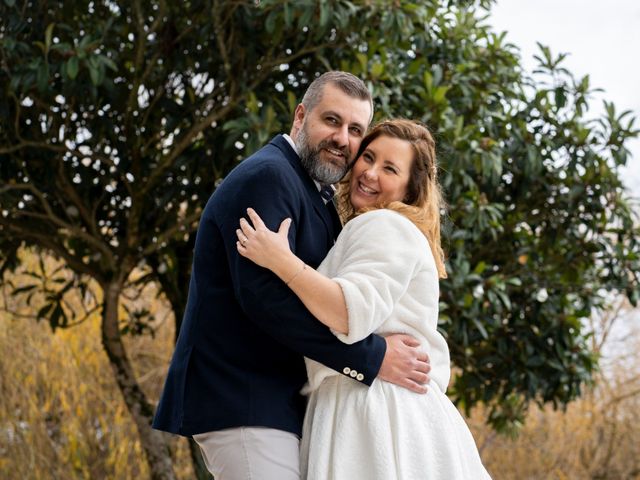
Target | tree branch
(138,62)
(154,247)
(158,54)
(71,193)
(57,221)
(218,32)
(46,240)
(620,398)
(30,144)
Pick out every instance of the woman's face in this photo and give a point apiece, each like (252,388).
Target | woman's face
(381,173)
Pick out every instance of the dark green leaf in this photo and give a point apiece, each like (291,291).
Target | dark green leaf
(72,67)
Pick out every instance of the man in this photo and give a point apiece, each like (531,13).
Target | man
(238,367)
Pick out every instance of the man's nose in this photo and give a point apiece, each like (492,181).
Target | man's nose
(341,135)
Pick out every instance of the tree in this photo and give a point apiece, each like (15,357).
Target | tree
(121,118)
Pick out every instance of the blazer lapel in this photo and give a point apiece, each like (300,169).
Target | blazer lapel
(335,218)
(327,212)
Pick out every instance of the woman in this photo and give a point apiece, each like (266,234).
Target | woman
(381,276)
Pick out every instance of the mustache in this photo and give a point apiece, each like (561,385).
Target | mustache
(334,146)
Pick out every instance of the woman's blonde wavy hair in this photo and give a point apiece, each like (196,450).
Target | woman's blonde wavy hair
(424,201)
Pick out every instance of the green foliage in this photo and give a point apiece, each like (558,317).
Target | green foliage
(120,118)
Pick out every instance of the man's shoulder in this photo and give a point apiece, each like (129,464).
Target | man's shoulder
(277,148)
(265,173)
(275,158)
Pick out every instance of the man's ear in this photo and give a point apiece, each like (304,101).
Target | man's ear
(298,117)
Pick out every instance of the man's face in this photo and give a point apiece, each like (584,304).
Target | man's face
(328,136)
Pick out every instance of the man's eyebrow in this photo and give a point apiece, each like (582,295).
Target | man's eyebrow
(360,126)
(333,113)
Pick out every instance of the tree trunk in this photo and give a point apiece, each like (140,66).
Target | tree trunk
(175,285)
(175,282)
(199,467)
(153,443)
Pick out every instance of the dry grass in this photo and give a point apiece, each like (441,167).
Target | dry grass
(61,413)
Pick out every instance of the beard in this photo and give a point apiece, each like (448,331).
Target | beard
(324,172)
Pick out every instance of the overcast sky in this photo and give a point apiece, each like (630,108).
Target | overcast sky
(603,40)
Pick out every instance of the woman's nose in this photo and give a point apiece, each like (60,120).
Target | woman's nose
(370,173)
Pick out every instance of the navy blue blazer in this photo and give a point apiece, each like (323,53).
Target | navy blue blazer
(238,360)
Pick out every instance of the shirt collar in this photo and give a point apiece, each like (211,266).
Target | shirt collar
(291,142)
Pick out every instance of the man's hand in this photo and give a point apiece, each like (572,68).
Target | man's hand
(404,364)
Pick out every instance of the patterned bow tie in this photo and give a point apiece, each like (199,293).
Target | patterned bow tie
(327,192)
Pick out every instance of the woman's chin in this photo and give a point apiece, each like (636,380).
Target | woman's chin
(359,201)
(359,204)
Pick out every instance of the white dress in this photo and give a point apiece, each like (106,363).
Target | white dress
(353,432)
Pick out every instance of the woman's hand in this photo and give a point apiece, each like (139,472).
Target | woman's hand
(321,295)
(262,246)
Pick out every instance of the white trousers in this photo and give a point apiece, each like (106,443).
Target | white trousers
(251,453)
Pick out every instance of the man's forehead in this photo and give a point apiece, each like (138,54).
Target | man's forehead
(347,107)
